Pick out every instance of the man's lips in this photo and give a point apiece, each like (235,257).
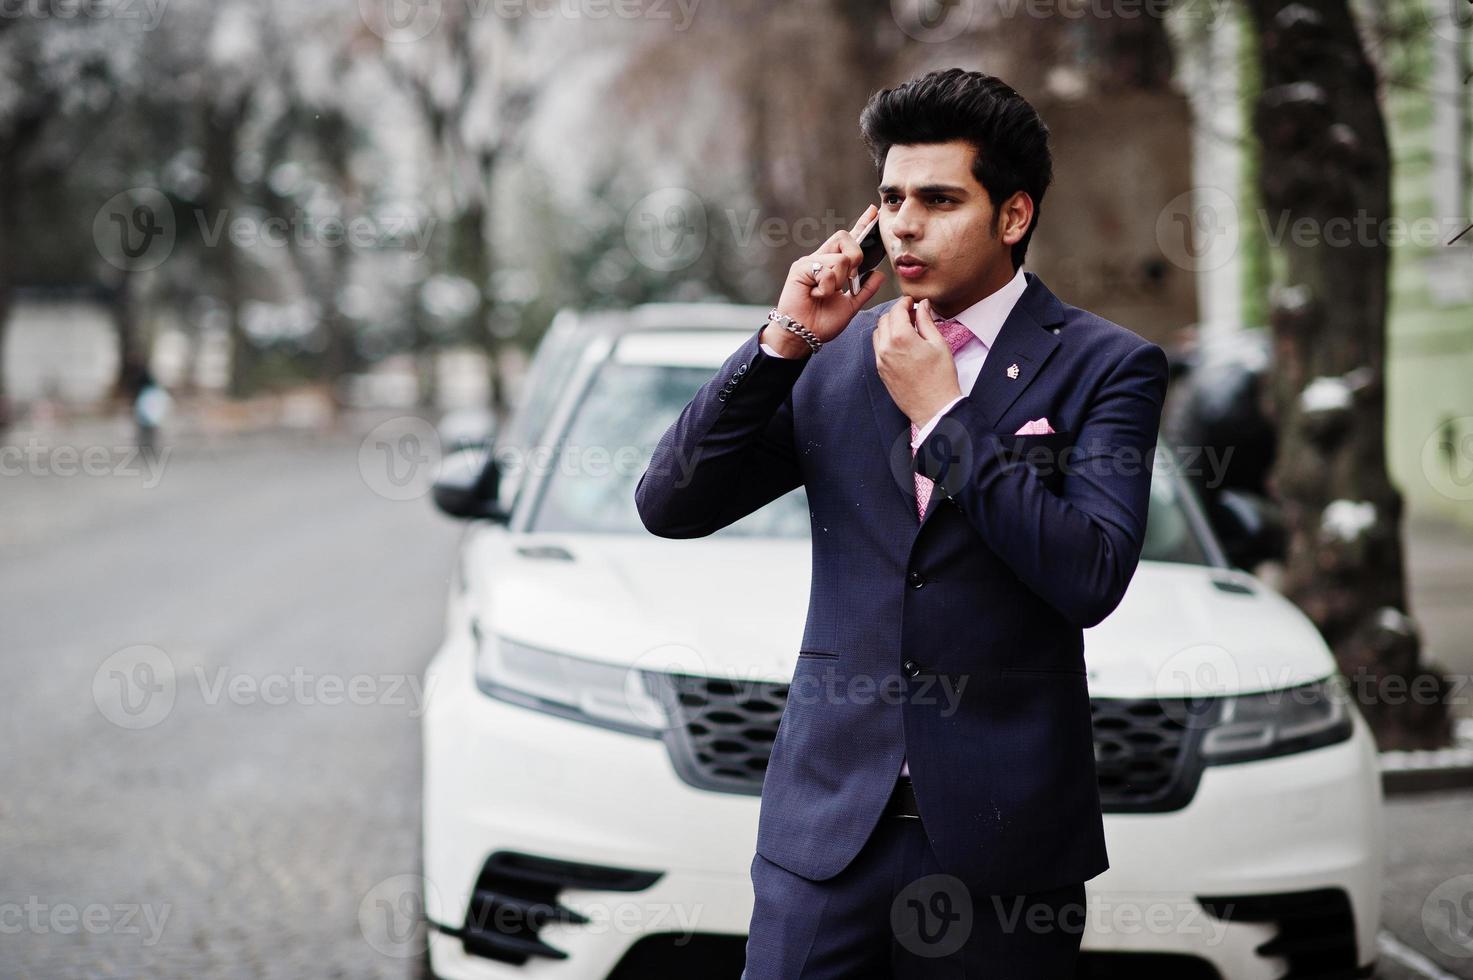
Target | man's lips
(910,267)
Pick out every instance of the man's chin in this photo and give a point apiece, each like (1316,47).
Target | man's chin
(920,291)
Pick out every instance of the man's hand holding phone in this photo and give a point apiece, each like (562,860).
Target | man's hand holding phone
(822,300)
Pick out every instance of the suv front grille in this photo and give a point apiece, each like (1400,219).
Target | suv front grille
(1147,757)
(721,735)
(721,731)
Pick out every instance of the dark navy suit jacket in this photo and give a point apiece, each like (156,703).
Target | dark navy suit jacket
(958,639)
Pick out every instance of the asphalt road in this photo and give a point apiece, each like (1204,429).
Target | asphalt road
(211,763)
(238,826)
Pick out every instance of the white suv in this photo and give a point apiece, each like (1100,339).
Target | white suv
(599,725)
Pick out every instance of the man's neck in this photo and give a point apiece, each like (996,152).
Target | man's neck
(993,284)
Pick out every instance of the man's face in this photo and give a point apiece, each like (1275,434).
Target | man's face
(934,210)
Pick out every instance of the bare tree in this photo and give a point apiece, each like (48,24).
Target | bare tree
(23,130)
(1325,159)
(264,88)
(61,78)
(319,128)
(477,80)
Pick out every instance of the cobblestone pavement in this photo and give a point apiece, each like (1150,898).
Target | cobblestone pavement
(212,743)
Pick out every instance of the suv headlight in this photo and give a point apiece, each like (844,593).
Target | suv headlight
(572,687)
(1273,723)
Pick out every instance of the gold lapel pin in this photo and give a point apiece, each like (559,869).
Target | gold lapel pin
(1013,371)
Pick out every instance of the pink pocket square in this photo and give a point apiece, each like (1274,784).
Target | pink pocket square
(1037,427)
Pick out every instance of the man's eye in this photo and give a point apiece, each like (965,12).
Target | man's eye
(887,199)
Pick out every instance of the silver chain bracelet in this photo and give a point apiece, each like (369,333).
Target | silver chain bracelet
(793,326)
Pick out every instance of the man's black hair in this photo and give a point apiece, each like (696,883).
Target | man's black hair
(950,104)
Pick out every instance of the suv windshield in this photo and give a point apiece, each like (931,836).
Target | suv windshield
(608,444)
(613,432)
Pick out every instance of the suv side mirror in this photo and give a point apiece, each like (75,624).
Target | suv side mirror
(467,486)
(1250,527)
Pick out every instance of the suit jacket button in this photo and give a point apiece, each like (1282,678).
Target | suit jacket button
(916,580)
(742,369)
(911,668)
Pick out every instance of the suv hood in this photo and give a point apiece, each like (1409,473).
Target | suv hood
(625,599)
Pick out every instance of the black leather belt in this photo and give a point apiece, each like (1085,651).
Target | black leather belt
(902,801)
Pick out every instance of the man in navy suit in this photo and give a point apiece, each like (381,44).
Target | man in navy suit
(977,457)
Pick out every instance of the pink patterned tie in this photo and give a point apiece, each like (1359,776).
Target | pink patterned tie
(957,336)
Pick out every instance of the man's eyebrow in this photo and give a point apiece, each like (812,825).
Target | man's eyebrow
(927,189)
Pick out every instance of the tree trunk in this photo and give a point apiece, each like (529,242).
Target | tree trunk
(471,256)
(1325,183)
(221,136)
(8,240)
(422,345)
(334,136)
(24,131)
(133,354)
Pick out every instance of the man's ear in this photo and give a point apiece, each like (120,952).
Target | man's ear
(1014,217)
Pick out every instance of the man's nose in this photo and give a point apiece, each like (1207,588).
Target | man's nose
(907,221)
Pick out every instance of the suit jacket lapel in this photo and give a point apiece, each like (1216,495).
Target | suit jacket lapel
(1025,340)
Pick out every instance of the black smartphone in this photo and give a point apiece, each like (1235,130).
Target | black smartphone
(873,247)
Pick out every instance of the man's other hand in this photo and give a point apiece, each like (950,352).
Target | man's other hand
(914,361)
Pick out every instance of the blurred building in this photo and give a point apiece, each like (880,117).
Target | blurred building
(60,345)
(1429,416)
